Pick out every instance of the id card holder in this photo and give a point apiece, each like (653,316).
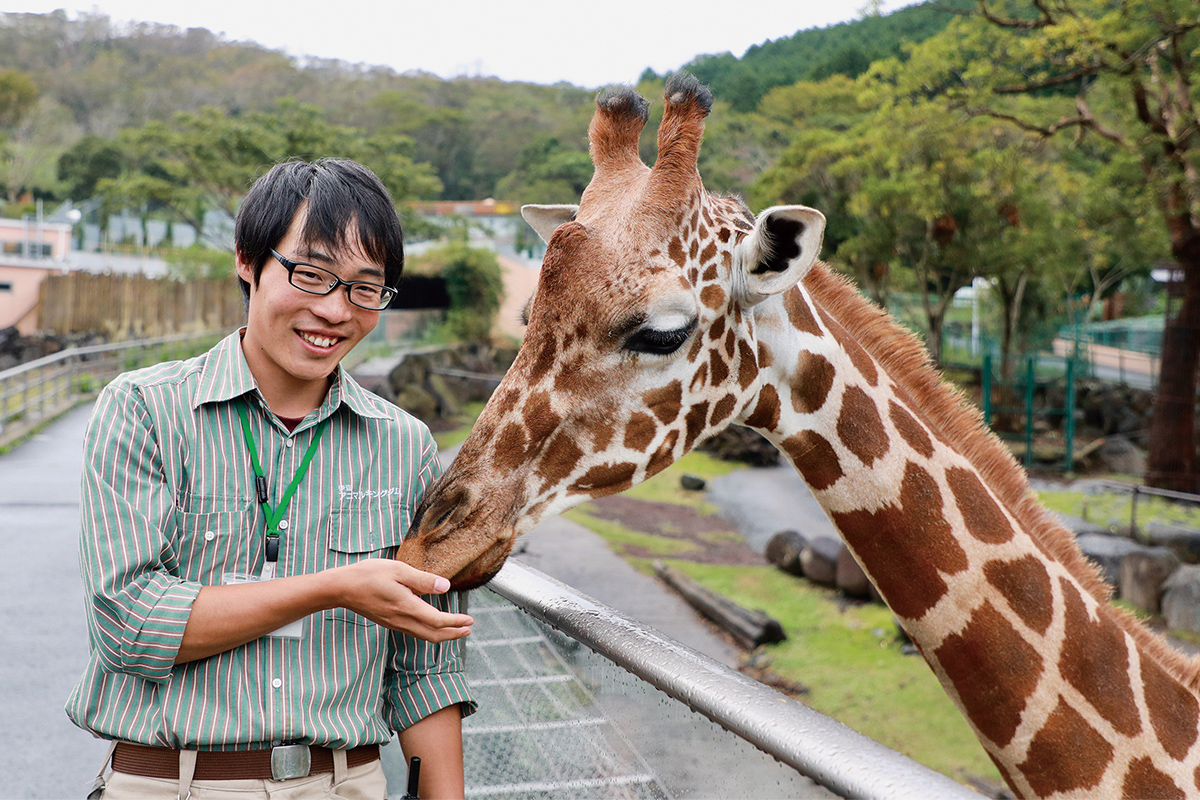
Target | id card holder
(293,630)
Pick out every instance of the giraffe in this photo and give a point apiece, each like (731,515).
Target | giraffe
(664,313)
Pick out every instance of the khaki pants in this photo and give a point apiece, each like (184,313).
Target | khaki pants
(364,782)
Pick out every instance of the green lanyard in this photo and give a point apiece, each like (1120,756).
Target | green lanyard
(274,516)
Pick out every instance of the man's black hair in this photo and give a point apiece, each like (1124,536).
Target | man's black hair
(339,193)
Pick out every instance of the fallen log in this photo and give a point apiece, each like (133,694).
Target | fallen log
(749,627)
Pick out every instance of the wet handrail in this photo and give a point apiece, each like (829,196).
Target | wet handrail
(832,754)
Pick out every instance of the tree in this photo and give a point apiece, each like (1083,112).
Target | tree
(1123,74)
(18,93)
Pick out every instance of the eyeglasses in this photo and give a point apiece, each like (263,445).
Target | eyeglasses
(316,280)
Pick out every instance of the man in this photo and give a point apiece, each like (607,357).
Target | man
(238,513)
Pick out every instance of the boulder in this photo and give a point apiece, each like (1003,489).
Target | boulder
(1077,525)
(1118,454)
(850,577)
(1185,542)
(1107,552)
(819,560)
(784,549)
(692,483)
(1143,574)
(1181,599)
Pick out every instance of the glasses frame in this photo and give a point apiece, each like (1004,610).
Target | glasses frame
(388,292)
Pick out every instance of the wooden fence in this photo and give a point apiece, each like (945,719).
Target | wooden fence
(134,306)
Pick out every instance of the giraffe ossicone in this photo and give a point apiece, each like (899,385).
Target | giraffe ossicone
(664,314)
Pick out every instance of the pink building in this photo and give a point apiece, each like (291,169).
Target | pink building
(29,251)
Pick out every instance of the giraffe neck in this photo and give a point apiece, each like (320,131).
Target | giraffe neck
(1067,695)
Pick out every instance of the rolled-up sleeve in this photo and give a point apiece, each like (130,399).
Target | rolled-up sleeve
(136,609)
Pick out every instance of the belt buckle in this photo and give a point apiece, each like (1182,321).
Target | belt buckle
(290,761)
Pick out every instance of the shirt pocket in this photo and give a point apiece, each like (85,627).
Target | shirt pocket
(208,543)
(371,529)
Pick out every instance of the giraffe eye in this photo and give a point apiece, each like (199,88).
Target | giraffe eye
(656,342)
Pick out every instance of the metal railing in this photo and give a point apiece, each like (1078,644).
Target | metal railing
(835,756)
(38,390)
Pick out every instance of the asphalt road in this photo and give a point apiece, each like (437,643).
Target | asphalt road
(43,636)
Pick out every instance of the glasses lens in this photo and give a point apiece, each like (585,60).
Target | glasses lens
(313,279)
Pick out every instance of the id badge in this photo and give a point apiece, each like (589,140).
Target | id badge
(293,630)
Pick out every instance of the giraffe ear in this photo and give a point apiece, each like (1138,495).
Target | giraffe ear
(544,219)
(780,251)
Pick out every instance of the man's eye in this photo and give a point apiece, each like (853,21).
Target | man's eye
(649,340)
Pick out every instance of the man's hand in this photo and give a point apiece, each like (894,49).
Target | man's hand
(387,592)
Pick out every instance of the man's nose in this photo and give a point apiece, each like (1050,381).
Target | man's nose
(335,306)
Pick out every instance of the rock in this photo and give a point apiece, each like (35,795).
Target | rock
(784,551)
(1184,541)
(819,560)
(447,405)
(739,443)
(1181,599)
(1107,552)
(1077,525)
(692,483)
(850,577)
(1119,455)
(416,401)
(1143,574)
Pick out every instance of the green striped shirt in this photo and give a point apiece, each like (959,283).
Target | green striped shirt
(168,506)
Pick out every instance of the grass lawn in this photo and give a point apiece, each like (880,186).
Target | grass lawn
(1112,510)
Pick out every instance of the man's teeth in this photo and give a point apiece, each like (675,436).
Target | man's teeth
(319,341)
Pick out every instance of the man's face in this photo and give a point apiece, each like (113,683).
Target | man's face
(295,338)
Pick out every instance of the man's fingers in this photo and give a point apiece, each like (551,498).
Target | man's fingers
(422,582)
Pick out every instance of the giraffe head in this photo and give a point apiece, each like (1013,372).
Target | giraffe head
(640,340)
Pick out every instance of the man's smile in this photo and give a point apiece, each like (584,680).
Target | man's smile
(320,341)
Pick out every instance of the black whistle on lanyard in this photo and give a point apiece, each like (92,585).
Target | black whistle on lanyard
(260,487)
(414,778)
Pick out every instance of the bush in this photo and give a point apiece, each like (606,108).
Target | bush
(475,284)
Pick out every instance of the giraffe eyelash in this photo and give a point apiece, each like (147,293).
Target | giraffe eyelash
(656,342)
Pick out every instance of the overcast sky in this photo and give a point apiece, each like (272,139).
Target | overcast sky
(542,41)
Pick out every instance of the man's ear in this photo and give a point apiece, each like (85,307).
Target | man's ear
(780,251)
(544,219)
(244,270)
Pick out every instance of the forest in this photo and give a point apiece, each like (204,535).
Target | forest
(1049,147)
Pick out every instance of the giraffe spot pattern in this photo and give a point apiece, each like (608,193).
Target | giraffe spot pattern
(811,382)
(1025,586)
(906,548)
(540,419)
(799,313)
(983,518)
(724,235)
(730,343)
(1143,781)
(766,412)
(1094,660)
(696,349)
(722,410)
(694,422)
(712,296)
(987,647)
(717,367)
(700,378)
(675,251)
(910,430)
(1174,711)
(747,365)
(1066,755)
(665,402)
(547,357)
(717,330)
(708,254)
(815,458)
(605,479)
(858,356)
(602,429)
(710,272)
(860,427)
(765,358)
(560,459)
(510,448)
(639,431)
(664,455)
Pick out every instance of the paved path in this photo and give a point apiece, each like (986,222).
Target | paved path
(42,632)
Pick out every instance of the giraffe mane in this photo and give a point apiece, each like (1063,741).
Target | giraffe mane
(952,418)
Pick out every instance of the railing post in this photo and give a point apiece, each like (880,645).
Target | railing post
(1069,422)
(1029,373)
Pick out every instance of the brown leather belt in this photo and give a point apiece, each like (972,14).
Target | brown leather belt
(161,762)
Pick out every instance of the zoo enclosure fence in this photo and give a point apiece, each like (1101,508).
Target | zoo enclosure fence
(581,750)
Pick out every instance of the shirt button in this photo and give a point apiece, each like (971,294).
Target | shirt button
(209,536)
(283,524)
(290,442)
(277,683)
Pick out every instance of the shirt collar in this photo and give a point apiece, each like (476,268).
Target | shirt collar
(226,376)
